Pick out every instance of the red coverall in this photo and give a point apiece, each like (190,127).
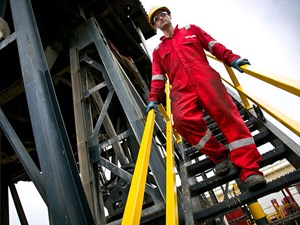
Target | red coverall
(196,86)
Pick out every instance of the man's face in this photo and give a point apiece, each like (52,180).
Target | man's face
(161,20)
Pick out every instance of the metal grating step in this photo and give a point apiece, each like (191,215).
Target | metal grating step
(261,138)
(213,182)
(248,197)
(205,164)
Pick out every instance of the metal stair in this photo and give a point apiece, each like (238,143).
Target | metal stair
(264,133)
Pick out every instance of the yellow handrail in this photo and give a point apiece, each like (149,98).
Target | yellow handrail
(133,208)
(291,124)
(171,191)
(290,85)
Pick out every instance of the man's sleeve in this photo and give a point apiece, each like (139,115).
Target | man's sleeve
(215,48)
(158,80)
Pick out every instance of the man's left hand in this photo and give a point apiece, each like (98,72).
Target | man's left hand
(151,105)
(237,63)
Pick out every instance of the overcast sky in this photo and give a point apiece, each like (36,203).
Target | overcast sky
(265,32)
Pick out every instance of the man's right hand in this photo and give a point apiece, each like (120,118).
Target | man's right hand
(237,63)
(151,105)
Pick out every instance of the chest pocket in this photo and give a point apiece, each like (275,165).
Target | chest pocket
(192,49)
(190,40)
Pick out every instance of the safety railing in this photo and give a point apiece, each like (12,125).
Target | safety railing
(289,85)
(133,208)
(134,203)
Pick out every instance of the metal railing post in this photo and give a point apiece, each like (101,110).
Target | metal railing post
(238,87)
(133,208)
(171,192)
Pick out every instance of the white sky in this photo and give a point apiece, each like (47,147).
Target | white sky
(265,32)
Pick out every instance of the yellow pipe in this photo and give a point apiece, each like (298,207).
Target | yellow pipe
(291,124)
(256,211)
(171,192)
(133,208)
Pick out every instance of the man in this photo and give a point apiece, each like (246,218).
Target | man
(197,87)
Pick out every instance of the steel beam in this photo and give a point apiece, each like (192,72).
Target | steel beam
(3,4)
(24,157)
(66,200)
(123,174)
(4,207)
(107,123)
(18,203)
(90,33)
(83,125)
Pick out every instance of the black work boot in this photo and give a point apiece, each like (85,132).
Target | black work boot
(222,168)
(255,182)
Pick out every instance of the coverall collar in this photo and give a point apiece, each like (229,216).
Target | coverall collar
(164,37)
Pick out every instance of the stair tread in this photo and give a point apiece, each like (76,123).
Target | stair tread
(203,186)
(247,197)
(205,164)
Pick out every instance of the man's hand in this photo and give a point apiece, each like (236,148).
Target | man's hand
(237,63)
(151,105)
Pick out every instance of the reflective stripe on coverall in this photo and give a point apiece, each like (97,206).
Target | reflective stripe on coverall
(197,87)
